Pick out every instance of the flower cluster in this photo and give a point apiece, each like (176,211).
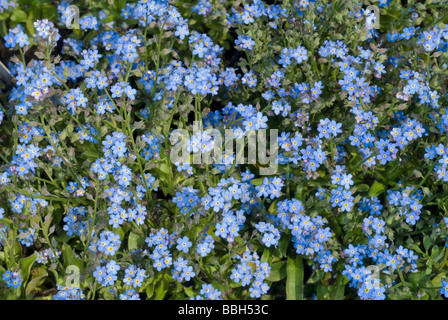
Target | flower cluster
(106,275)
(208,293)
(68,293)
(75,222)
(129,294)
(251,272)
(16,38)
(47,255)
(12,279)
(107,243)
(349,113)
(134,276)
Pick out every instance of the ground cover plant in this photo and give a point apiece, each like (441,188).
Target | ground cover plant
(117,179)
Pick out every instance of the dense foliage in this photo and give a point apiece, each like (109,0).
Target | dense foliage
(94,204)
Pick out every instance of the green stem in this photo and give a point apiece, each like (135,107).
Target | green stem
(173,112)
(428,72)
(128,71)
(23,56)
(53,250)
(46,181)
(95,210)
(445,258)
(137,153)
(423,181)
(28,194)
(159,46)
(332,150)
(400,274)
(58,152)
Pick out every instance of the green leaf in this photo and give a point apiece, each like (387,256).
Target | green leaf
(420,6)
(321,291)
(376,189)
(49,11)
(110,18)
(88,154)
(437,281)
(25,266)
(429,267)
(362,188)
(47,223)
(266,255)
(189,291)
(106,293)
(418,278)
(427,242)
(338,289)
(29,23)
(257,182)
(69,257)
(120,4)
(177,296)
(19,16)
(134,241)
(273,207)
(150,290)
(294,278)
(37,276)
(63,134)
(278,271)
(283,246)
(161,290)
(165,172)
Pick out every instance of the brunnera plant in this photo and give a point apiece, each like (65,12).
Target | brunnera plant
(96,203)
